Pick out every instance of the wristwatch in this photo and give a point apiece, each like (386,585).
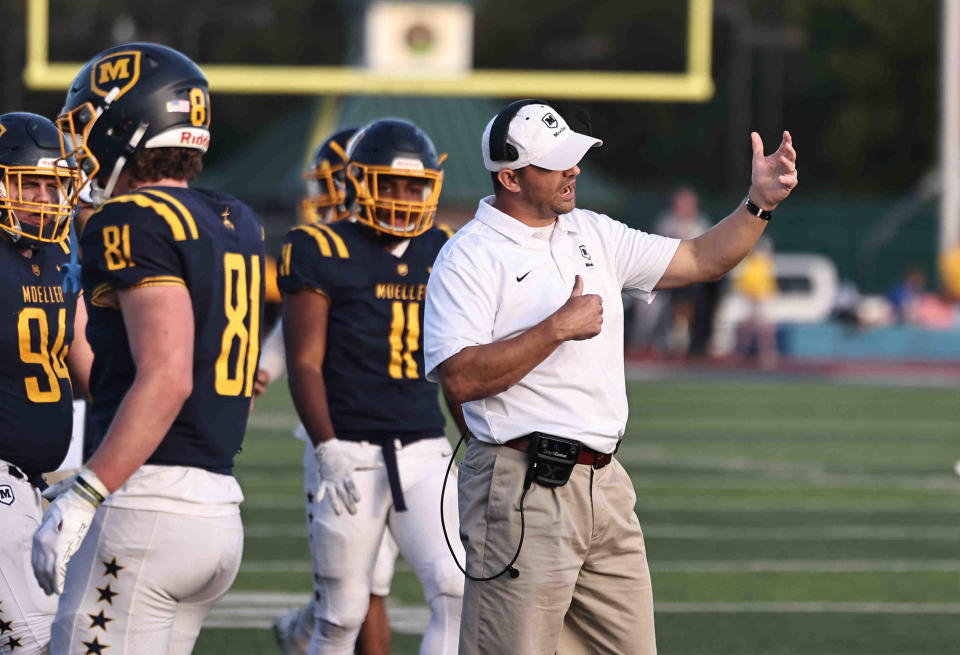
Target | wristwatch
(755,210)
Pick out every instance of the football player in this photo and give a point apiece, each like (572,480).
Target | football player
(353,307)
(38,358)
(324,201)
(173,281)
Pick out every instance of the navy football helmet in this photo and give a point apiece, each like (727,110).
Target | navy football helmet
(393,148)
(324,199)
(37,183)
(129,98)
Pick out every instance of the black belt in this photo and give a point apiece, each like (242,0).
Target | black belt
(393,474)
(35,479)
(388,446)
(587,456)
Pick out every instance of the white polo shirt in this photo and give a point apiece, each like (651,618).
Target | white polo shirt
(497,278)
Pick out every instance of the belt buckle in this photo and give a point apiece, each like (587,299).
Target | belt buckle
(601,459)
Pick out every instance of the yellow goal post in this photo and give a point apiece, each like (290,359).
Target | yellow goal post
(694,84)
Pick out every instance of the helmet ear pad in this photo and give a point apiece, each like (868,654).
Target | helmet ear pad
(500,149)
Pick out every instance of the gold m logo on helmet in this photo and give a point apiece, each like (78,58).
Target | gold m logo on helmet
(3,128)
(120,70)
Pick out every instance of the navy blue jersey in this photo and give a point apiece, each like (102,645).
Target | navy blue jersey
(373,366)
(36,401)
(212,244)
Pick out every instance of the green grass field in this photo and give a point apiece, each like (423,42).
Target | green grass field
(780,518)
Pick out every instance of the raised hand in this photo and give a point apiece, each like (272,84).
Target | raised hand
(581,317)
(773,176)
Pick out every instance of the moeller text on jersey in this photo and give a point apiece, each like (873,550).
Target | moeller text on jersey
(33,293)
(399,291)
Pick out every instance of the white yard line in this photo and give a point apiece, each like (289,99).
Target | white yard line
(813,533)
(808,566)
(673,531)
(773,481)
(258,609)
(701,566)
(265,420)
(833,506)
(814,607)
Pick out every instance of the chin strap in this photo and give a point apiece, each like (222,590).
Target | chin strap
(101,195)
(10,229)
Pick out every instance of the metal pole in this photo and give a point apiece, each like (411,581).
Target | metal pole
(950,126)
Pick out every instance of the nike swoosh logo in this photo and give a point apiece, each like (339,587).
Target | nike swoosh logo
(520,277)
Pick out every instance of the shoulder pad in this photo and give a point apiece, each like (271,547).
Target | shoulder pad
(160,203)
(329,243)
(446,229)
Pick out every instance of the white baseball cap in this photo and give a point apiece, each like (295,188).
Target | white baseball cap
(542,138)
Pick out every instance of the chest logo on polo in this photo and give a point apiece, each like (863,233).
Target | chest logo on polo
(6,494)
(586,255)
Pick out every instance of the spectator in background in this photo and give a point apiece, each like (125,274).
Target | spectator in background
(757,281)
(691,309)
(907,291)
(913,304)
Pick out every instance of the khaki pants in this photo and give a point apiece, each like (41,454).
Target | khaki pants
(584,585)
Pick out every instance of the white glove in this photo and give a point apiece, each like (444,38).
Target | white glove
(64,526)
(58,488)
(337,463)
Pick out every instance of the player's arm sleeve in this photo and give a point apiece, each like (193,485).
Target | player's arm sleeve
(308,260)
(459,313)
(273,355)
(640,259)
(129,249)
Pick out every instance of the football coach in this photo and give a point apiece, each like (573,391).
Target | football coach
(524,326)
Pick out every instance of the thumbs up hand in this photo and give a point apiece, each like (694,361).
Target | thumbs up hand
(581,317)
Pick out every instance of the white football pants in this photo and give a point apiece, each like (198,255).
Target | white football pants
(143,582)
(302,631)
(25,611)
(344,548)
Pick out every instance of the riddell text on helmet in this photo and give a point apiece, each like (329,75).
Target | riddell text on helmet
(188,138)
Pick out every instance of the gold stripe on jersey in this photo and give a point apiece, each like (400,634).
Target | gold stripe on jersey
(104,296)
(179,206)
(165,212)
(159,281)
(337,241)
(321,240)
(445,229)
